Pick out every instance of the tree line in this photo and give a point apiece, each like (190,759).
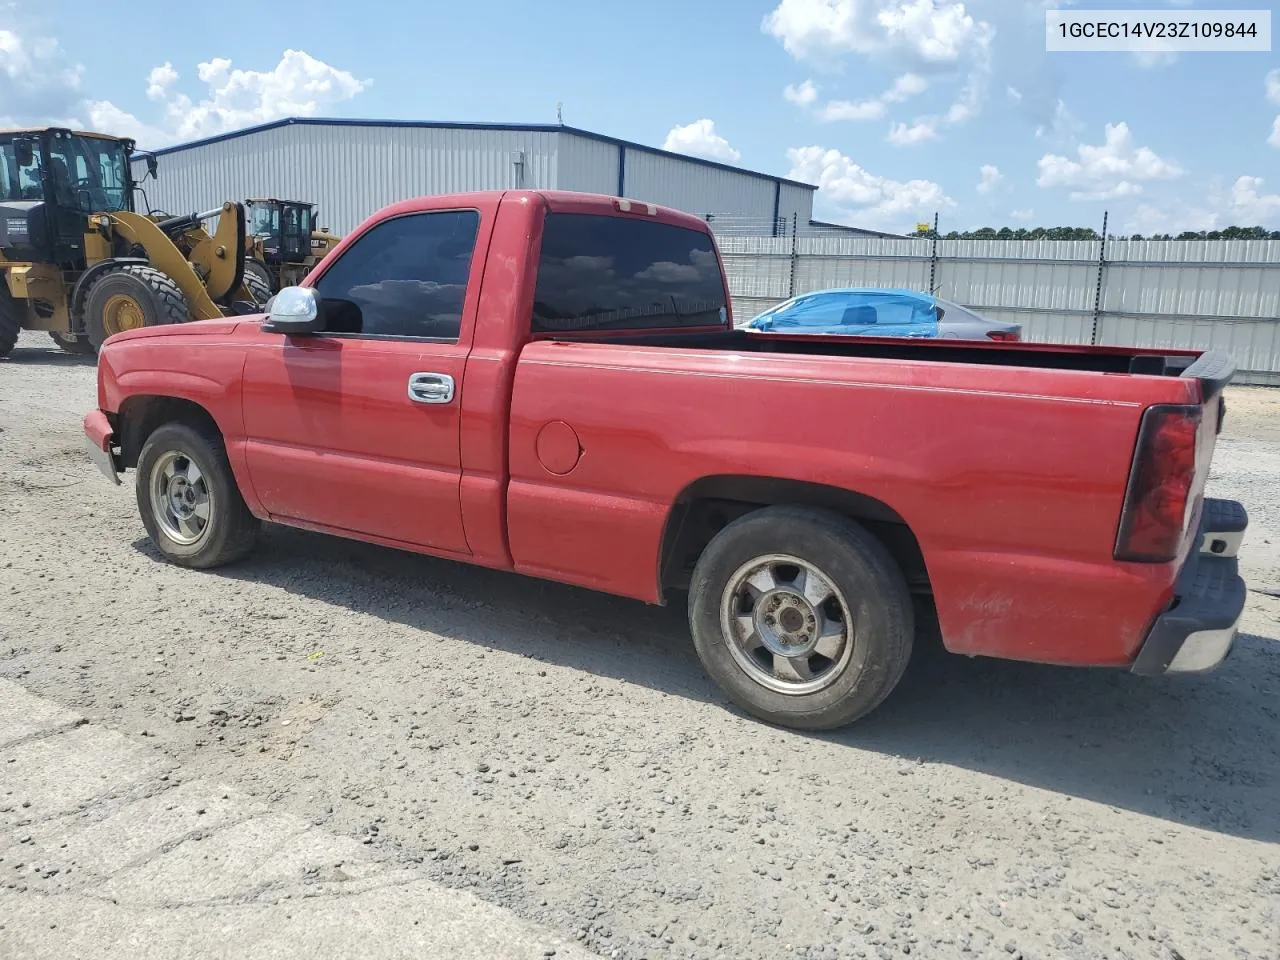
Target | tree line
(1088,233)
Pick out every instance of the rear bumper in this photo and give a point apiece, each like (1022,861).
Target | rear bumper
(1197,632)
(99,441)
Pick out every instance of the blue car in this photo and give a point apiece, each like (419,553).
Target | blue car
(864,312)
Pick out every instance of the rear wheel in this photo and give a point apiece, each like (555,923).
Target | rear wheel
(257,279)
(129,298)
(10,319)
(71,344)
(188,498)
(801,616)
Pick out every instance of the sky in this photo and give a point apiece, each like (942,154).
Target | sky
(896,109)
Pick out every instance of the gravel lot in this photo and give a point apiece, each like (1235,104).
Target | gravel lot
(559,752)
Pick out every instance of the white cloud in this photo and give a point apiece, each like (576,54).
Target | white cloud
(934,33)
(1116,168)
(903,88)
(160,80)
(699,139)
(852,110)
(1062,125)
(906,86)
(851,193)
(803,95)
(1243,204)
(1026,214)
(1154,59)
(991,178)
(902,135)
(934,36)
(35,80)
(1273,94)
(38,86)
(1251,206)
(299,85)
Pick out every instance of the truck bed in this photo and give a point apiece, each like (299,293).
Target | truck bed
(1211,368)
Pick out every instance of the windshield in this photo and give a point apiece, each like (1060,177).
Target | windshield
(89,174)
(19,182)
(264,220)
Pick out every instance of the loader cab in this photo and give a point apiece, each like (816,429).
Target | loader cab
(284,227)
(51,181)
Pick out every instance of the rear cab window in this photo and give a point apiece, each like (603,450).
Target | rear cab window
(606,273)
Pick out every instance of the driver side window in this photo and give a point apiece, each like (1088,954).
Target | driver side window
(406,277)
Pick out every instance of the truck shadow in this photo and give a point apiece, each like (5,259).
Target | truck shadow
(1202,751)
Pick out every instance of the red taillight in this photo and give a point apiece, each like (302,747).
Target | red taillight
(1003,336)
(1164,468)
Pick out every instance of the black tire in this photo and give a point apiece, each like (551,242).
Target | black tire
(72,344)
(10,319)
(155,294)
(868,584)
(230,530)
(258,281)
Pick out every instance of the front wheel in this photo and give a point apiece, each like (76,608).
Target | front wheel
(131,297)
(801,616)
(188,498)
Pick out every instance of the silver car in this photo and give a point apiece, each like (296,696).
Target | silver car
(873,312)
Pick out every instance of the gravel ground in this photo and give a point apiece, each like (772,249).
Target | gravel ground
(560,753)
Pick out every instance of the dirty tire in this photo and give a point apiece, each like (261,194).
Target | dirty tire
(10,319)
(257,280)
(879,624)
(70,344)
(157,298)
(230,530)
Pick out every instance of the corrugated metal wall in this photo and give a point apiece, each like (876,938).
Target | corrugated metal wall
(698,189)
(352,171)
(1193,294)
(1048,286)
(795,206)
(349,171)
(587,165)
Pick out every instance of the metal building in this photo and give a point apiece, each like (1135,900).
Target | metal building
(351,168)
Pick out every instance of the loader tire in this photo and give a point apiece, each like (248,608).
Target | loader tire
(72,344)
(257,280)
(10,320)
(130,298)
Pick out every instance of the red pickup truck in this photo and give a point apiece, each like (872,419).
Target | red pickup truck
(551,383)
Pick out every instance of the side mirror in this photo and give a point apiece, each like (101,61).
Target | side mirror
(153,164)
(293,311)
(24,152)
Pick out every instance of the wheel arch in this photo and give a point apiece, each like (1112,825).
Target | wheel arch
(708,504)
(140,415)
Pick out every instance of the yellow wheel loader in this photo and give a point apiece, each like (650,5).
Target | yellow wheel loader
(284,242)
(77,259)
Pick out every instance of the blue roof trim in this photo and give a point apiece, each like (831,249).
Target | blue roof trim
(461,125)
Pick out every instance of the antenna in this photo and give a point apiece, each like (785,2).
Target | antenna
(560,113)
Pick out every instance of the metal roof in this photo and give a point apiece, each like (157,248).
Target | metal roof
(459,125)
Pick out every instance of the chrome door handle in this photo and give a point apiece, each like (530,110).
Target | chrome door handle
(430,387)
